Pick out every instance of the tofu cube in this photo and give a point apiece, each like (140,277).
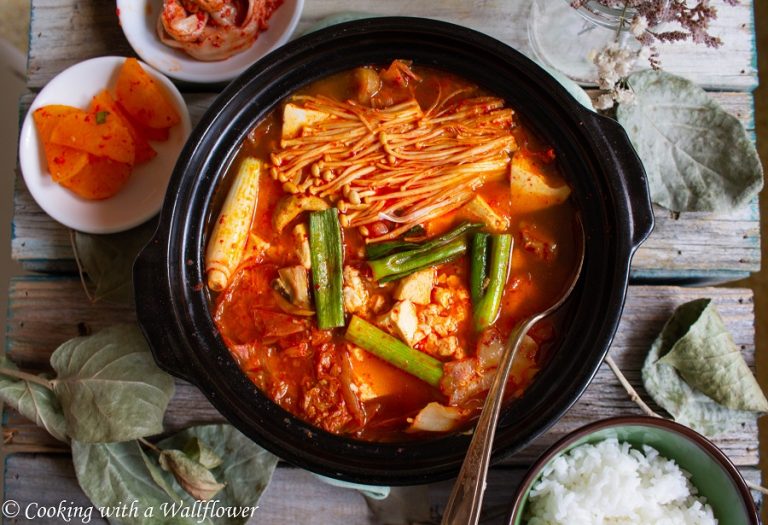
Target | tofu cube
(301,245)
(372,376)
(355,292)
(295,118)
(416,287)
(405,321)
(480,210)
(530,190)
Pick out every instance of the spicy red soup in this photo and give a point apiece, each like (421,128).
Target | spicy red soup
(384,230)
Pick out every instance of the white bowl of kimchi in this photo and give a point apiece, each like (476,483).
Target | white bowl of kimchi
(206,41)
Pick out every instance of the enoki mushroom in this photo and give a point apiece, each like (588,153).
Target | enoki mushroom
(401,163)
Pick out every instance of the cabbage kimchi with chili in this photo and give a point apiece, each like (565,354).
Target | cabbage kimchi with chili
(383,230)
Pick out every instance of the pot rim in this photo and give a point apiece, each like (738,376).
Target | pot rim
(177,337)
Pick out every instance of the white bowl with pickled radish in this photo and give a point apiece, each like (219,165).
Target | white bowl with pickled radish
(139,21)
(142,195)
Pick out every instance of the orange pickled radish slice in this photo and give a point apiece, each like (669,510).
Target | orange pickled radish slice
(47,117)
(101,134)
(101,178)
(103,101)
(143,98)
(156,134)
(63,162)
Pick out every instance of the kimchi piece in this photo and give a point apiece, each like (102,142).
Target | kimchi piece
(212,30)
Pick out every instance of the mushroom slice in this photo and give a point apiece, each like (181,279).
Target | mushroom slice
(296,280)
(292,291)
(288,208)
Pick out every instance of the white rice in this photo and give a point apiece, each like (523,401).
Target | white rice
(611,483)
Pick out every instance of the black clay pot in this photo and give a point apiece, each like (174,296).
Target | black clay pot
(594,154)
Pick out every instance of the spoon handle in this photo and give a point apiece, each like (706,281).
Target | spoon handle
(466,498)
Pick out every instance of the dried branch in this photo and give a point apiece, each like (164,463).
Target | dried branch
(633,395)
(33,449)
(8,435)
(24,376)
(80,266)
(756,487)
(649,22)
(149,445)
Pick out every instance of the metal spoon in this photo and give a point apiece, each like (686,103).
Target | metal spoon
(466,498)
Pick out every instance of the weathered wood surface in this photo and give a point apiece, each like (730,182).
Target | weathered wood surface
(695,245)
(294,496)
(44,312)
(64,32)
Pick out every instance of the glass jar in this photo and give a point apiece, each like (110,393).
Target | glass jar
(564,38)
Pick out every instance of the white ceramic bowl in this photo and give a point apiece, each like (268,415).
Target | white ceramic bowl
(138,18)
(141,197)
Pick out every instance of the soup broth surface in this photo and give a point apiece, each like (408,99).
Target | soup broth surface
(319,375)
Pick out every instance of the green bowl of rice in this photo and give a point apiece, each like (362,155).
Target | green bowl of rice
(633,470)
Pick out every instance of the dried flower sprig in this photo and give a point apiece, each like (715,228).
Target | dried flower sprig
(644,20)
(614,63)
(692,21)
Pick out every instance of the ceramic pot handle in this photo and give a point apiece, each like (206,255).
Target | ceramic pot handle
(153,309)
(630,180)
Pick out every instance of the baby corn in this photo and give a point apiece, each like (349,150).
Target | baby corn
(230,233)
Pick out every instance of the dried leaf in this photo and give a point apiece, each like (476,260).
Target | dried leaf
(109,386)
(202,453)
(194,478)
(33,401)
(697,156)
(669,390)
(159,478)
(246,468)
(115,474)
(108,260)
(112,474)
(708,359)
(404,506)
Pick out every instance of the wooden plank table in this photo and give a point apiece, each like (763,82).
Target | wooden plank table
(49,307)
